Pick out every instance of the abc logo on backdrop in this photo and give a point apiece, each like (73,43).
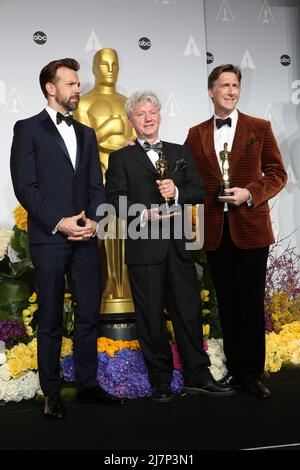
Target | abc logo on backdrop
(285,60)
(144,43)
(39,37)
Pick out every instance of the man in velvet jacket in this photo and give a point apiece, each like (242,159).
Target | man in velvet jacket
(238,228)
(57,178)
(157,265)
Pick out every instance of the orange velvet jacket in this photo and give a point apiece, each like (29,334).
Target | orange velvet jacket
(255,163)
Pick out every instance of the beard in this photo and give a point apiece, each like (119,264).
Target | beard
(70,104)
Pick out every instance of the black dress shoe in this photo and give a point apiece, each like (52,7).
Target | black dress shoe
(230,381)
(211,388)
(53,407)
(98,395)
(256,388)
(161,393)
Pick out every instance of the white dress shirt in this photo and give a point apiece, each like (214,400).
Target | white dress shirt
(69,137)
(224,135)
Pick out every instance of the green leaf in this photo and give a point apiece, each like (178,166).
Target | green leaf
(13,311)
(200,257)
(20,243)
(13,291)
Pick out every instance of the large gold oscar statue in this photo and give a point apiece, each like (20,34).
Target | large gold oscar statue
(102,108)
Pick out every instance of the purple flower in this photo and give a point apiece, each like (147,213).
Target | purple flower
(67,368)
(124,375)
(12,332)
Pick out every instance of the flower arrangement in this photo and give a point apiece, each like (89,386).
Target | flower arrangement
(208,298)
(283,348)
(121,368)
(16,268)
(282,284)
(282,309)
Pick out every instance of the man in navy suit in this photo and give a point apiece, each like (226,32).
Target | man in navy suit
(156,263)
(57,178)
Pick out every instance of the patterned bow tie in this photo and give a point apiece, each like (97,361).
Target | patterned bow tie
(222,122)
(147,146)
(68,119)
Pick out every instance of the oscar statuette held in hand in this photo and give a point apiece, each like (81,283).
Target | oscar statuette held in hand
(168,206)
(225,183)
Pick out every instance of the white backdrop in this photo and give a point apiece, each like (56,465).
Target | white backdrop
(180,37)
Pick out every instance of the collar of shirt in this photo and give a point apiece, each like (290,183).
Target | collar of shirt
(233,116)
(52,113)
(225,133)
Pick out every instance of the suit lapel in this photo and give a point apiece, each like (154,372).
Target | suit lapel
(55,135)
(142,157)
(79,137)
(172,154)
(243,134)
(207,138)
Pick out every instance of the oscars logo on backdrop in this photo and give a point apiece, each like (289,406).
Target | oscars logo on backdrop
(277,124)
(191,48)
(93,43)
(172,108)
(224,12)
(14,103)
(265,14)
(247,62)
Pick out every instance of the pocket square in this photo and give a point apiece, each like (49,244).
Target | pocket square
(180,164)
(250,143)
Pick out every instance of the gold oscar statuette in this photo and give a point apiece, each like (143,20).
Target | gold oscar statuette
(225,183)
(168,205)
(102,108)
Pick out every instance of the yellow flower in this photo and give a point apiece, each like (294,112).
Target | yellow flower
(205,311)
(205,295)
(34,363)
(206,329)
(32,346)
(66,347)
(29,330)
(32,298)
(27,314)
(20,217)
(15,367)
(111,346)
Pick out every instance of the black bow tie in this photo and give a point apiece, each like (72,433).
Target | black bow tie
(68,118)
(147,146)
(222,122)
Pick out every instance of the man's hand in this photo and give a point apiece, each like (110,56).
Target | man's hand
(154,214)
(129,143)
(166,188)
(238,197)
(73,231)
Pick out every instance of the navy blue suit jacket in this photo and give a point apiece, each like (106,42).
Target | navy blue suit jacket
(45,181)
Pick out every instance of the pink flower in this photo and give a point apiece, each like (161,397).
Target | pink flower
(176,358)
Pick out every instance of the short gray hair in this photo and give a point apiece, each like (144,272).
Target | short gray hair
(141,96)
